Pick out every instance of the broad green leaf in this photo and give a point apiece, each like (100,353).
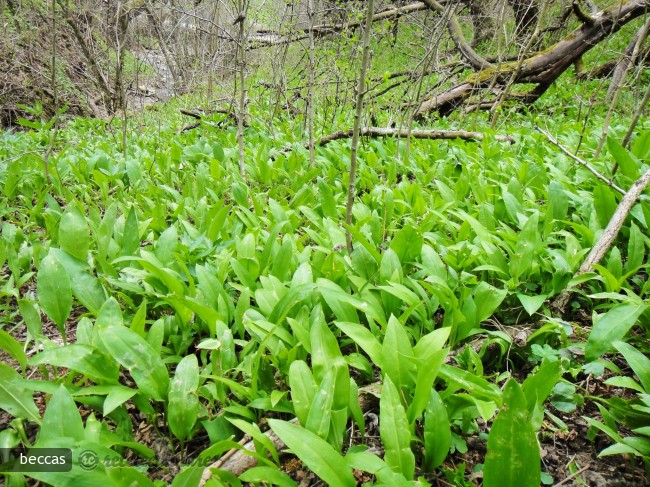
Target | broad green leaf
(513,458)
(364,339)
(54,292)
(253,430)
(527,246)
(437,432)
(131,234)
(259,475)
(531,303)
(373,464)
(431,342)
(166,246)
(326,199)
(477,386)
(190,477)
(638,361)
(626,161)
(394,431)
(488,298)
(407,244)
(31,317)
(538,386)
(139,358)
(427,372)
(117,395)
(605,204)
(84,359)
(61,419)
(303,389)
(14,399)
(128,476)
(10,345)
(320,411)
(635,249)
(397,356)
(110,314)
(612,326)
(316,453)
(74,236)
(183,405)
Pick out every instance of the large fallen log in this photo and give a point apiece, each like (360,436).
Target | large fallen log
(541,68)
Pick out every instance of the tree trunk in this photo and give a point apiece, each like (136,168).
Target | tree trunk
(541,69)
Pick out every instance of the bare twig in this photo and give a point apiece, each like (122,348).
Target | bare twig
(580,161)
(574,474)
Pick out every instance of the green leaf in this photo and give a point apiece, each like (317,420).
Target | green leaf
(427,372)
(488,298)
(437,432)
(82,358)
(612,326)
(183,402)
(131,235)
(477,386)
(10,345)
(605,204)
(635,249)
(267,475)
(14,399)
(54,292)
(74,236)
(117,395)
(626,161)
(639,363)
(327,201)
(253,430)
(139,358)
(61,419)
(316,453)
(538,386)
(394,431)
(397,356)
(303,389)
(407,244)
(364,339)
(31,317)
(513,458)
(531,303)
(527,245)
(320,412)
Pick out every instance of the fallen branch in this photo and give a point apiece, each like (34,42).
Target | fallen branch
(542,68)
(416,134)
(606,239)
(201,119)
(269,38)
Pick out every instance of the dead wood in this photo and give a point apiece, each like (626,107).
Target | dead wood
(416,134)
(606,240)
(201,118)
(269,38)
(542,68)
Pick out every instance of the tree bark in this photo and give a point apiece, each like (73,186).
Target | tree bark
(361,90)
(542,68)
